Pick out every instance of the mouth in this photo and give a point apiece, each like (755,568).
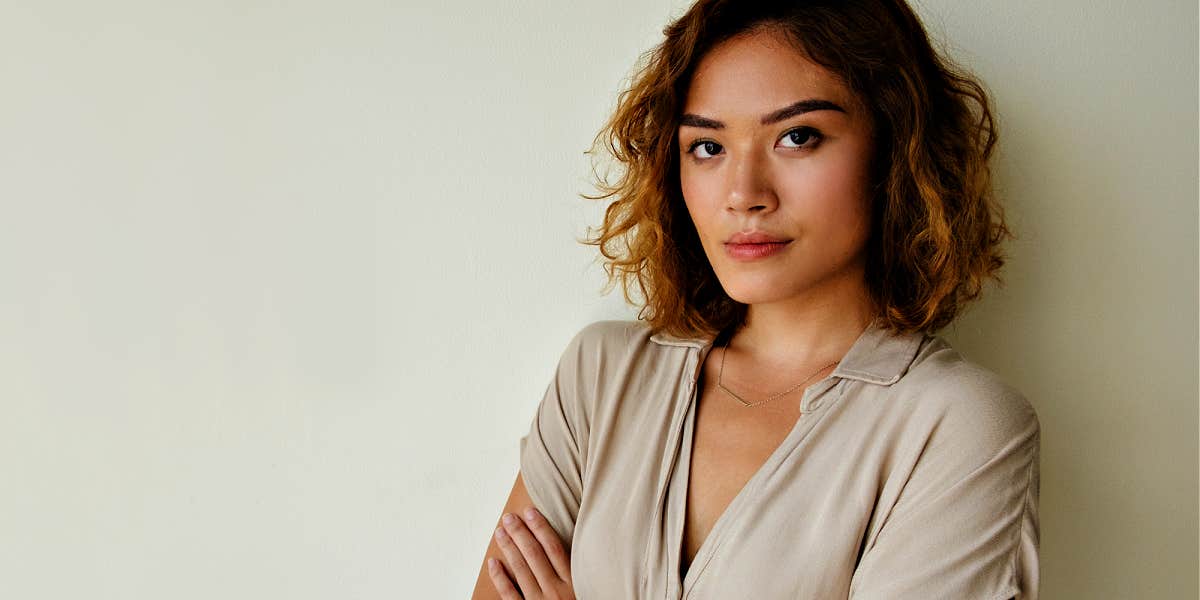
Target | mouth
(755,237)
(754,250)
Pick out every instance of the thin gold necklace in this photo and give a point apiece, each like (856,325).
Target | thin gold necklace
(780,394)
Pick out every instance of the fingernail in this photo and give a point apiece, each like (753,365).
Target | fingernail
(530,514)
(509,518)
(501,534)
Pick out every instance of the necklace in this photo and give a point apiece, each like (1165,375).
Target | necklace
(780,394)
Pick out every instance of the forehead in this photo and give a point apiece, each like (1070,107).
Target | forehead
(754,73)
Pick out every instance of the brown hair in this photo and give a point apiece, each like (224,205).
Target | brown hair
(937,228)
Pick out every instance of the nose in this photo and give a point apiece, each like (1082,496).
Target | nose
(750,188)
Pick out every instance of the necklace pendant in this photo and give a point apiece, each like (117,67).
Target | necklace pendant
(721,372)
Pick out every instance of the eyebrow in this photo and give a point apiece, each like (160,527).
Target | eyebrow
(787,112)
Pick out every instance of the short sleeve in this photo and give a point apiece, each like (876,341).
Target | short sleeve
(965,525)
(553,451)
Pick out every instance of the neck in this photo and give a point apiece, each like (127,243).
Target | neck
(819,325)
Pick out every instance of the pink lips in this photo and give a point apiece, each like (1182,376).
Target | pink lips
(753,245)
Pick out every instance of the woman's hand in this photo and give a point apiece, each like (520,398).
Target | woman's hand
(534,556)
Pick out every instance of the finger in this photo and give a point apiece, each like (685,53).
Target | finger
(548,537)
(535,556)
(515,561)
(501,582)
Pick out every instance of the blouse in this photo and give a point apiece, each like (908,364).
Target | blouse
(911,473)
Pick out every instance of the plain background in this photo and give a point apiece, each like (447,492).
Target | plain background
(282,283)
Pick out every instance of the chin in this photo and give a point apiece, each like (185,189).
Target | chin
(758,291)
(758,297)
(766,286)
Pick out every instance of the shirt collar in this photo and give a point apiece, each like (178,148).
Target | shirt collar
(878,356)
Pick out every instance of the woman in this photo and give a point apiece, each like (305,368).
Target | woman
(804,201)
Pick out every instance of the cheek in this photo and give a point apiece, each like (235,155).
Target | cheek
(699,205)
(833,193)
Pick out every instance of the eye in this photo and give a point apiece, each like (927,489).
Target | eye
(710,148)
(802,137)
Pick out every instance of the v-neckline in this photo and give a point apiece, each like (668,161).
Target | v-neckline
(681,476)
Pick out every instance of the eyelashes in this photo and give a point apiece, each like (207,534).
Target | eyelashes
(710,148)
(802,138)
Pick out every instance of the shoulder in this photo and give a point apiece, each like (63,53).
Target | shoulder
(605,360)
(601,347)
(600,342)
(611,335)
(963,401)
(615,354)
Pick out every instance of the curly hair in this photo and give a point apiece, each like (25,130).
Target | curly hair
(937,228)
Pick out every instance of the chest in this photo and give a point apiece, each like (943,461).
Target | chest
(730,443)
(770,487)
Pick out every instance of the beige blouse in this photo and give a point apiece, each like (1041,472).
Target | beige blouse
(911,473)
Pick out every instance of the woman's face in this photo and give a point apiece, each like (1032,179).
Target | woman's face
(774,166)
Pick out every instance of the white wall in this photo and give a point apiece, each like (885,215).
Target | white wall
(280,286)
(1098,323)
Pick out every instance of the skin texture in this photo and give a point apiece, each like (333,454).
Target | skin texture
(805,179)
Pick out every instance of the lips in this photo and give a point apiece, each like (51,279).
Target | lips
(754,245)
(755,237)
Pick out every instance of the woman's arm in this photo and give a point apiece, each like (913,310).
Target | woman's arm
(553,451)
(518,500)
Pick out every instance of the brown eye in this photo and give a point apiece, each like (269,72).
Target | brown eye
(802,137)
(710,149)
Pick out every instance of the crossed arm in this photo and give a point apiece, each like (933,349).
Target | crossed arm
(530,561)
